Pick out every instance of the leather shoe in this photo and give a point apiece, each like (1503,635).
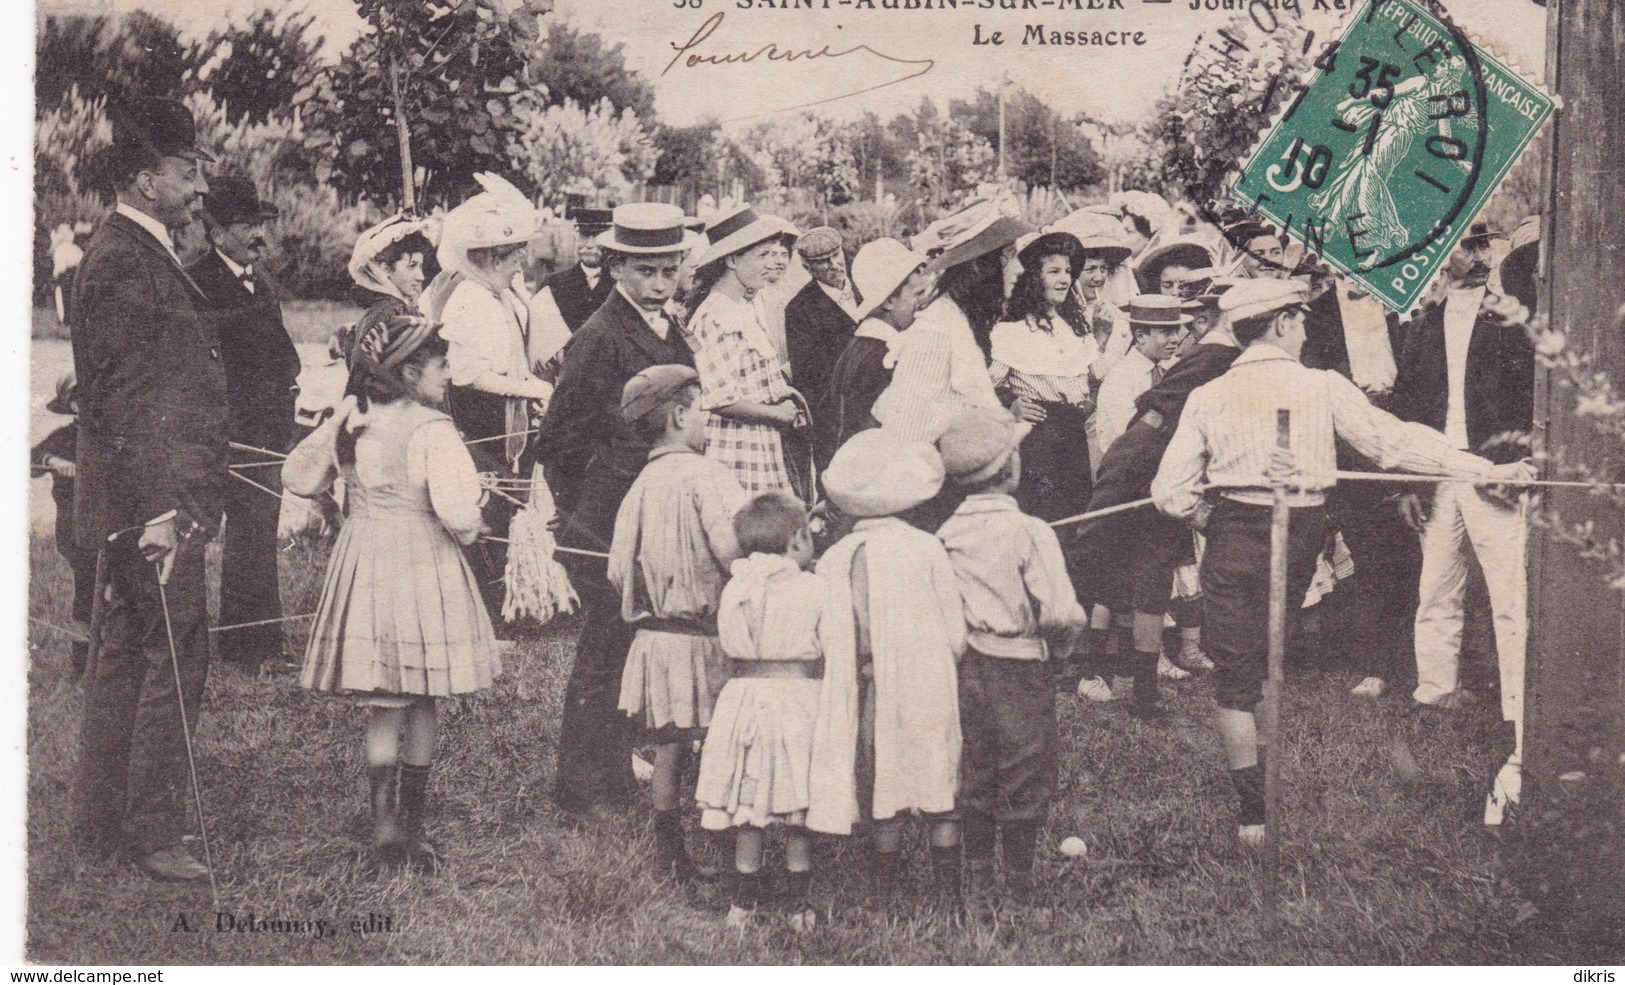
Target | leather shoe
(173,864)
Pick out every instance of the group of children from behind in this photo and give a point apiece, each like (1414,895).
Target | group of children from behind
(909,674)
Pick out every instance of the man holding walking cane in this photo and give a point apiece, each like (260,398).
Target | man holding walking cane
(151,470)
(1217,475)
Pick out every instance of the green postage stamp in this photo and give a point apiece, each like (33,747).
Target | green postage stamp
(1401,135)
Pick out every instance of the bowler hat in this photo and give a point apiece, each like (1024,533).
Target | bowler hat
(232,198)
(163,126)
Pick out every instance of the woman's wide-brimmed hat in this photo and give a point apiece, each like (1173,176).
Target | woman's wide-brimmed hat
(978,229)
(1050,245)
(1099,235)
(1179,252)
(363,267)
(67,390)
(879,269)
(649,228)
(740,229)
(500,215)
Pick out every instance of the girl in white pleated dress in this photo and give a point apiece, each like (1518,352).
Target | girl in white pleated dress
(757,760)
(400,622)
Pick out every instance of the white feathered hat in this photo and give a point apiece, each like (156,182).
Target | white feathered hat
(497,216)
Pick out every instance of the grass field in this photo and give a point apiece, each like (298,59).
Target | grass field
(1375,870)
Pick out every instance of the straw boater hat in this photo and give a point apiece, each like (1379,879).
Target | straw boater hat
(743,227)
(976,445)
(1099,235)
(877,474)
(1179,252)
(1518,266)
(1156,311)
(980,228)
(364,268)
(591,222)
(1257,296)
(879,269)
(498,216)
(647,228)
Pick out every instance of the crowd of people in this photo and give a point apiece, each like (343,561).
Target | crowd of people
(841,528)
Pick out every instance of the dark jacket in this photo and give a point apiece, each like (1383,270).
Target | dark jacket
(859,378)
(1499,383)
(577,302)
(589,455)
(152,389)
(816,332)
(262,365)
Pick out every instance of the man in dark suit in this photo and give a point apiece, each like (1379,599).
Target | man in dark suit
(152,463)
(1468,372)
(590,457)
(582,288)
(820,320)
(262,369)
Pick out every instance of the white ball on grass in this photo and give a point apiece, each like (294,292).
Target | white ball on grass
(1074,847)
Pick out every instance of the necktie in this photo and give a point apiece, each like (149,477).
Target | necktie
(247,280)
(1156,373)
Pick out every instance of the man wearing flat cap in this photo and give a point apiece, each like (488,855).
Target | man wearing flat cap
(244,306)
(151,472)
(820,319)
(1216,474)
(591,457)
(1469,373)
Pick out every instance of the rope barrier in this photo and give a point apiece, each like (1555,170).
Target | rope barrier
(503,437)
(261,622)
(262,451)
(272,492)
(556,549)
(70,634)
(1107,511)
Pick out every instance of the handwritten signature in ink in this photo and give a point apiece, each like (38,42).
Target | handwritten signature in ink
(686,53)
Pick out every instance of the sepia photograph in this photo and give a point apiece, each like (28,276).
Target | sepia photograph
(823,482)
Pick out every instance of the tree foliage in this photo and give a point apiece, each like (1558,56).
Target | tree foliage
(575,65)
(261,67)
(458,64)
(1228,93)
(948,160)
(564,149)
(1040,148)
(138,54)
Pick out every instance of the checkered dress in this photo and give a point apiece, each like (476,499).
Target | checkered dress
(737,363)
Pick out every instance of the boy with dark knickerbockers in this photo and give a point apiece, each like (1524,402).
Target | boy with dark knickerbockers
(1020,613)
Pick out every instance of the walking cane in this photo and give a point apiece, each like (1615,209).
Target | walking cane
(1270,732)
(186,734)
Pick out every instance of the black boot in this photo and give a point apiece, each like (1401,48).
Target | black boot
(1147,703)
(744,897)
(796,898)
(388,842)
(414,792)
(673,852)
(945,875)
(1249,784)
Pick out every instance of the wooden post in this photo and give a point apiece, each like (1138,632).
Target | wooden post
(1270,708)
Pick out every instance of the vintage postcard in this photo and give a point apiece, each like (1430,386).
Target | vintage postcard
(854,482)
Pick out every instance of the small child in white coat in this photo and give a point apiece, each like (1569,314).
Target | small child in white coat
(888,741)
(757,759)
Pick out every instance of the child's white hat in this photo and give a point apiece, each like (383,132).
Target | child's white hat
(877,474)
